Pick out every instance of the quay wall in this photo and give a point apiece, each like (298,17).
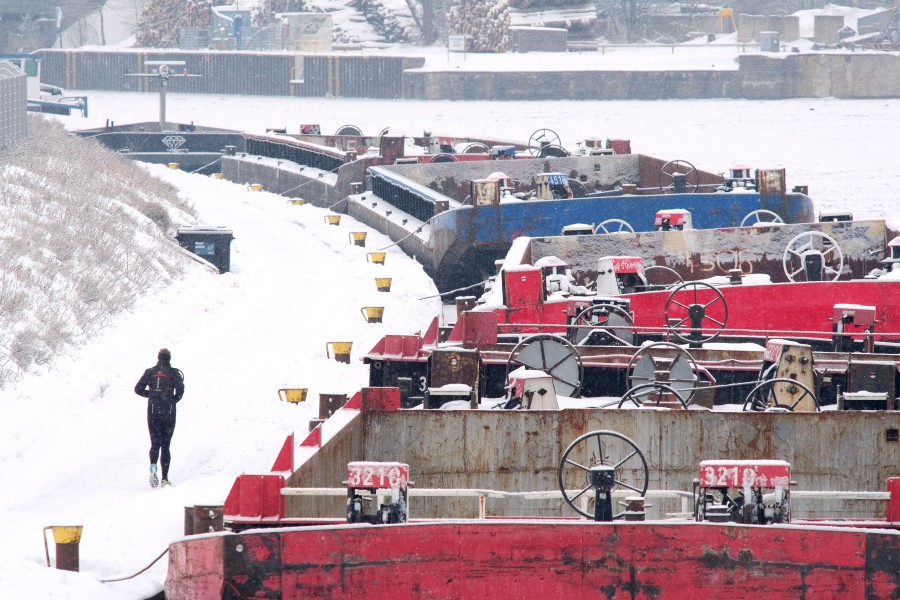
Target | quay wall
(758,76)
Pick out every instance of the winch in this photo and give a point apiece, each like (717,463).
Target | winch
(365,479)
(743,491)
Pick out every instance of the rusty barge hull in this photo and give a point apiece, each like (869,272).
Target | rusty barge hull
(701,253)
(446,551)
(538,559)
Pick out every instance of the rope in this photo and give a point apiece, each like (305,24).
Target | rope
(163,553)
(206,165)
(462,289)
(414,232)
(300,185)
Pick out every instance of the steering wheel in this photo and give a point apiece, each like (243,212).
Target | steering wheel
(684,305)
(806,246)
(543,137)
(601,448)
(678,167)
(614,226)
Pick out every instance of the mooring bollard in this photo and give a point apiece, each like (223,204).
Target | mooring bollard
(329,403)
(296,201)
(372,314)
(209,518)
(66,538)
(333,219)
(173,166)
(217,176)
(341,351)
(376,257)
(358,238)
(188,520)
(634,508)
(383,284)
(292,395)
(256,187)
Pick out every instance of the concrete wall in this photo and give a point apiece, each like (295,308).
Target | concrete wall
(819,76)
(826,28)
(803,75)
(750,26)
(305,184)
(538,39)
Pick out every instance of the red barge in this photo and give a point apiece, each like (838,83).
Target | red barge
(625,441)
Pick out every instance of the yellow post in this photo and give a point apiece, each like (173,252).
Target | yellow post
(66,538)
(296,201)
(341,351)
(383,284)
(358,238)
(217,176)
(333,219)
(376,257)
(372,314)
(173,166)
(256,187)
(292,395)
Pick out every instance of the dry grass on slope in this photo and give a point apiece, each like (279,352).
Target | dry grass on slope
(83,232)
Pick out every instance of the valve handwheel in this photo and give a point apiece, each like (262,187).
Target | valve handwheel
(555,356)
(700,306)
(760,216)
(678,167)
(672,273)
(601,448)
(762,397)
(614,226)
(540,138)
(616,321)
(809,245)
(682,376)
(653,392)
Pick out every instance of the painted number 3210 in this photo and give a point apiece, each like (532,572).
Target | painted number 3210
(722,476)
(377,476)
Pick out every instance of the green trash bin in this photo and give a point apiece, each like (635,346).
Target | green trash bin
(212,244)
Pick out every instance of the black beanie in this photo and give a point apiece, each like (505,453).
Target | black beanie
(164,354)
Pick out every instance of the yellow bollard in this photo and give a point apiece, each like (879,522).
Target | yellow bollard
(173,165)
(376,257)
(341,351)
(333,219)
(256,187)
(383,284)
(358,238)
(292,395)
(217,176)
(66,538)
(372,314)
(296,201)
